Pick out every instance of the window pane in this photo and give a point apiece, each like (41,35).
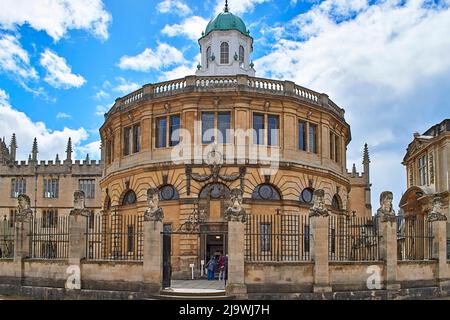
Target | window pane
(224,127)
(302,135)
(274,130)
(126,141)
(136,139)
(161,133)
(174,130)
(224,53)
(241,56)
(313,138)
(208,56)
(208,127)
(336,146)
(258,129)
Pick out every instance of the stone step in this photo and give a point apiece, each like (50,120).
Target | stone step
(190,298)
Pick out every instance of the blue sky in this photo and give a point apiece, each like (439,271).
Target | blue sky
(386,62)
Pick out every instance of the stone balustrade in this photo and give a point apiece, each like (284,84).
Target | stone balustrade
(226,83)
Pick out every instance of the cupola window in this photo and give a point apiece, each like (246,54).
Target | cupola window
(208,56)
(224,53)
(241,56)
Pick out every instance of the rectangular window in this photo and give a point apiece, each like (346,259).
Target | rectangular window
(423,172)
(266,234)
(312,138)
(88,187)
(126,141)
(332,149)
(336,148)
(258,129)
(51,188)
(130,238)
(208,119)
(136,138)
(12,217)
(50,219)
(175,130)
(306,238)
(161,132)
(224,127)
(333,241)
(302,135)
(18,187)
(274,130)
(91,219)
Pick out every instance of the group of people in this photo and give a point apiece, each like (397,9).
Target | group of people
(219,264)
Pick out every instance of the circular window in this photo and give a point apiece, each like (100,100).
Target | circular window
(266,192)
(307,196)
(216,191)
(167,193)
(130,198)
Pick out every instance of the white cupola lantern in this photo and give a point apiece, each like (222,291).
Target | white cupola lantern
(226,47)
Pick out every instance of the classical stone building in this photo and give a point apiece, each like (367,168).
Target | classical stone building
(198,138)
(49,184)
(427,163)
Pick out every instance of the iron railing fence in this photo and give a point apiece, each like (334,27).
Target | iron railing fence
(6,238)
(414,239)
(277,238)
(115,237)
(353,239)
(49,238)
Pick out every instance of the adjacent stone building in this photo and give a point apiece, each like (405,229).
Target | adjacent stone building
(49,184)
(427,163)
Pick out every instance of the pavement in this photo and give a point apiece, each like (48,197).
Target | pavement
(196,286)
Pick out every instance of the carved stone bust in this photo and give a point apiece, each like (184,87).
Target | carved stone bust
(386,211)
(235,211)
(79,205)
(24,211)
(436,211)
(154,212)
(318,209)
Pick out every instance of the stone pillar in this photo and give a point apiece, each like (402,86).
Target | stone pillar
(439,253)
(319,253)
(77,239)
(153,243)
(236,267)
(22,231)
(236,217)
(388,229)
(153,253)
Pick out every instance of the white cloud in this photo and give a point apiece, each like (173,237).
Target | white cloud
(181,71)
(59,74)
(191,27)
(100,110)
(92,149)
(62,115)
(386,63)
(164,56)
(239,7)
(56,17)
(50,142)
(125,87)
(174,6)
(14,60)
(100,95)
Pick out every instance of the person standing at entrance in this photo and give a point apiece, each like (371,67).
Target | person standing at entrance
(221,268)
(211,266)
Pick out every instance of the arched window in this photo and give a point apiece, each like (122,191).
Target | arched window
(168,192)
(307,195)
(266,192)
(241,56)
(336,203)
(224,53)
(129,198)
(208,56)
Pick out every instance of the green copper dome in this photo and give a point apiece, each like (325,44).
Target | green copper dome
(226,21)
